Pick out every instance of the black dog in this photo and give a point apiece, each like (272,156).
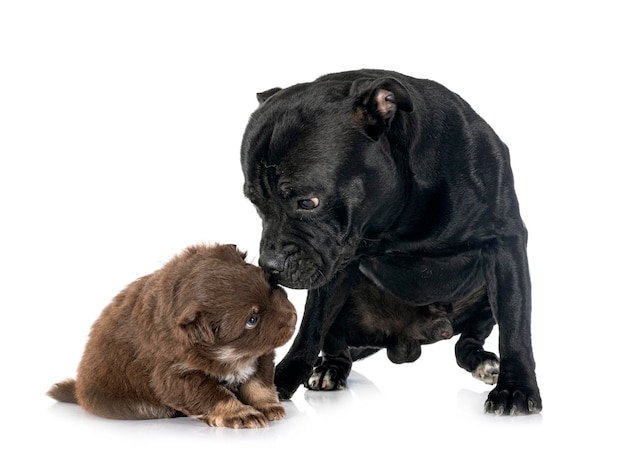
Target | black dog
(373,173)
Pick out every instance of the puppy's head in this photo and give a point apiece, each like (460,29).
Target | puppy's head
(226,308)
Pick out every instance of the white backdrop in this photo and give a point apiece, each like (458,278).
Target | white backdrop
(120,127)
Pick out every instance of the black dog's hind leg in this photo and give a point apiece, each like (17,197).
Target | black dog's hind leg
(469,351)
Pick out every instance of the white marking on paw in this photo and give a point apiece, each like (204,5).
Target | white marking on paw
(326,382)
(314,380)
(487,371)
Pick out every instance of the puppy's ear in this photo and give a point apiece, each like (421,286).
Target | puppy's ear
(195,325)
(377,101)
(229,252)
(263,96)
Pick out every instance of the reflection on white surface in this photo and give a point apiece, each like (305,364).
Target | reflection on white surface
(372,415)
(431,406)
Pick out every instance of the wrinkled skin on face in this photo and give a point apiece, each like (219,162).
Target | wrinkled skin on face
(319,182)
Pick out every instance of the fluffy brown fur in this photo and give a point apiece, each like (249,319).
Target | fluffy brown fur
(195,338)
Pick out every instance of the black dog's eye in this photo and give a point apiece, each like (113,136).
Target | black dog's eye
(252,321)
(308,204)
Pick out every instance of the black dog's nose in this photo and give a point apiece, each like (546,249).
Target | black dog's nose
(273,258)
(272,264)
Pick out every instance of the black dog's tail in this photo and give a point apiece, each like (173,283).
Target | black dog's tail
(358,353)
(64,391)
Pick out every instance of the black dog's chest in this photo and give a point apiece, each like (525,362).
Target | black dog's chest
(426,280)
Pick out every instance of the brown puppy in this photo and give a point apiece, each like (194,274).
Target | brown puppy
(195,338)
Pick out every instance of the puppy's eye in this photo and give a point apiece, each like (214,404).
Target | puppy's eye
(308,204)
(252,321)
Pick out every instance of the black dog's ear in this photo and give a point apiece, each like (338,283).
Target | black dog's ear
(263,96)
(376,103)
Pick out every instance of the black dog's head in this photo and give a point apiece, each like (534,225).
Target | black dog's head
(320,170)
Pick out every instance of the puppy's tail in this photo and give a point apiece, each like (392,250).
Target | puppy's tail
(64,391)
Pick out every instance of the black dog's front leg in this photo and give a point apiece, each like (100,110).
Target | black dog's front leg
(508,284)
(322,307)
(331,369)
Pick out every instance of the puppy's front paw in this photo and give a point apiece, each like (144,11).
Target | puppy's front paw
(326,377)
(235,417)
(273,411)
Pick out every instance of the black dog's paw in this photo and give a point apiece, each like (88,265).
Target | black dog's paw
(288,377)
(326,377)
(512,400)
(488,371)
(285,393)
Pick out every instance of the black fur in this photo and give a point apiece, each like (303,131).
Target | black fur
(373,319)
(373,174)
